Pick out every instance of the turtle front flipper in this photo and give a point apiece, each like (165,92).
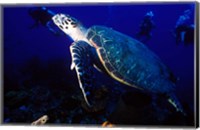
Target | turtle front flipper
(81,61)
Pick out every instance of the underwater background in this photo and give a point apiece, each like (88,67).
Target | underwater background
(38,80)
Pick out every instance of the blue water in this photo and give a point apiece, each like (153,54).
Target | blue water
(21,43)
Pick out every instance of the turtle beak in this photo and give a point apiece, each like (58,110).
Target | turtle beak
(58,18)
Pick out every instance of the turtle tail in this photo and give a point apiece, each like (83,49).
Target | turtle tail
(172,99)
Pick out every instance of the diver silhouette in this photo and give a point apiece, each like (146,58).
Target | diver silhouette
(43,16)
(184,29)
(146,27)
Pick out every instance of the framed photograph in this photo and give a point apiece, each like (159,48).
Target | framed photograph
(103,65)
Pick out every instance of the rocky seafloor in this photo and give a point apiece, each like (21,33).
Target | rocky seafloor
(38,89)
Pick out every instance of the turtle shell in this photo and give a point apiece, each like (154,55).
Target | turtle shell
(130,61)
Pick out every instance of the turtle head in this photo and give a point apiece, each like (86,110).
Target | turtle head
(70,26)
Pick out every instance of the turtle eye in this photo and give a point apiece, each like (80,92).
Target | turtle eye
(73,23)
(69,20)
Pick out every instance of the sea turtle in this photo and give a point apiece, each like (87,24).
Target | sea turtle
(121,57)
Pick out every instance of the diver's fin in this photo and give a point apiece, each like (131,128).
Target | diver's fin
(176,104)
(81,61)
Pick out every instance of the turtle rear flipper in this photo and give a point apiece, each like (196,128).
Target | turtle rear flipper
(81,61)
(176,104)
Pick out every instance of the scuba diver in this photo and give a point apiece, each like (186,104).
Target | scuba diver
(43,16)
(184,29)
(146,27)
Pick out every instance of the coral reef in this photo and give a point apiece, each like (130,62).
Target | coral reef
(47,89)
